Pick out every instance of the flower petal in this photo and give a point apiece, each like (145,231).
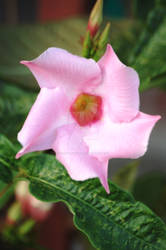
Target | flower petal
(108,139)
(57,67)
(47,113)
(120,87)
(73,153)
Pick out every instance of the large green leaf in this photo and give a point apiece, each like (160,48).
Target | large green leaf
(112,221)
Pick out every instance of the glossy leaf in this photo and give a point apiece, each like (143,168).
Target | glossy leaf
(112,221)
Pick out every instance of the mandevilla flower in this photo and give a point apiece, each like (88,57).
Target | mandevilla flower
(87,112)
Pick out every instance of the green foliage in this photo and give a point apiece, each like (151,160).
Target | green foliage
(126,176)
(114,221)
(141,8)
(7,169)
(154,20)
(151,190)
(6,173)
(5,196)
(149,54)
(101,44)
(124,37)
(87,43)
(15,104)
(7,153)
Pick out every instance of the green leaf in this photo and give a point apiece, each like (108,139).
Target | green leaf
(7,152)
(151,190)
(112,221)
(7,169)
(124,37)
(126,176)
(149,55)
(153,22)
(15,104)
(6,174)
(141,8)
(5,196)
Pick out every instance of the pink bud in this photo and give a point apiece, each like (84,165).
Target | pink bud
(95,18)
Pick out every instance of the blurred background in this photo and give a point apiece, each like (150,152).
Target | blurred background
(27,28)
(21,11)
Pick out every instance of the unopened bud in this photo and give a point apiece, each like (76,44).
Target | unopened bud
(95,18)
(102,42)
(87,45)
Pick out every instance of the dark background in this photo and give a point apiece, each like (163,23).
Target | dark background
(18,11)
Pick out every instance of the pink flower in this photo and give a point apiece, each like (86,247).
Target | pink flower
(87,112)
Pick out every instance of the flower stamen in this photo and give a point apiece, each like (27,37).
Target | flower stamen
(86,109)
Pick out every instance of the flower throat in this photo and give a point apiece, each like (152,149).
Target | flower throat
(86,109)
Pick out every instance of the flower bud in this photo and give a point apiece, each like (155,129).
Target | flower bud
(102,42)
(95,18)
(87,44)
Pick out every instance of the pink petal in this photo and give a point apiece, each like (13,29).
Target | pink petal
(120,140)
(47,113)
(57,67)
(72,152)
(119,87)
